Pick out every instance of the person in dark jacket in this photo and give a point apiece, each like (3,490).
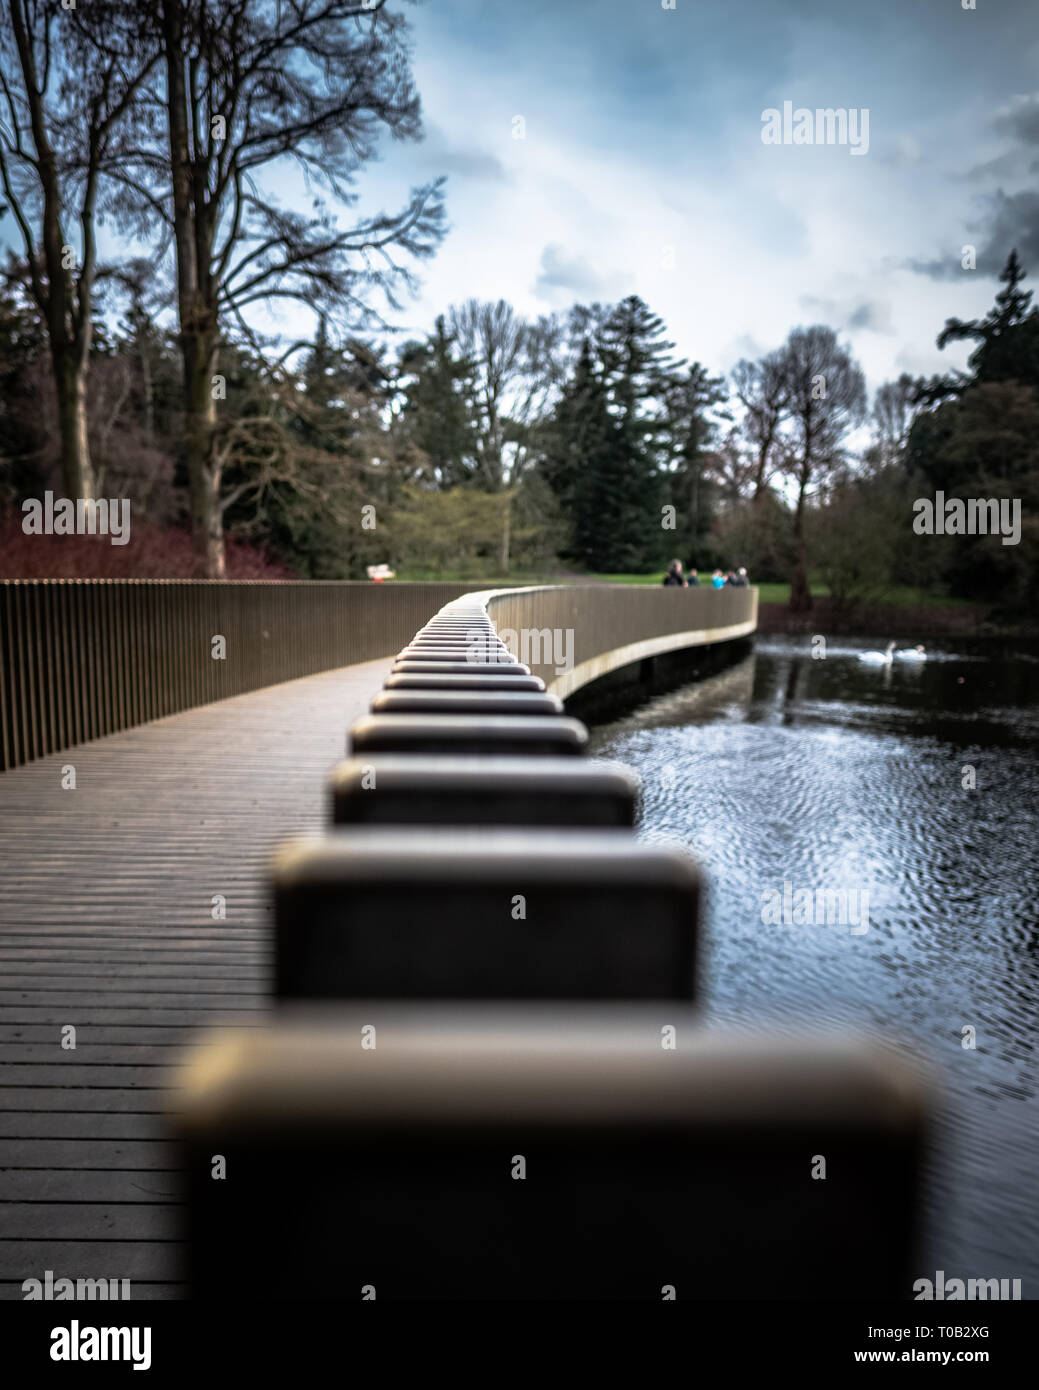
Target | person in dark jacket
(674,574)
(694,579)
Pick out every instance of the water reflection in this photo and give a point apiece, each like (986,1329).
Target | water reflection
(918,784)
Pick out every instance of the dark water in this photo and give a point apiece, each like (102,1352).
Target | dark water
(834,774)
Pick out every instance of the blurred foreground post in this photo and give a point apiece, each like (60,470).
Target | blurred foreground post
(537,1152)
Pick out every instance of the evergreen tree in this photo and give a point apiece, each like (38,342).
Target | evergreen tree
(637,372)
(691,400)
(581,442)
(981,444)
(985,444)
(1008,335)
(581,401)
(22,355)
(1007,342)
(438,407)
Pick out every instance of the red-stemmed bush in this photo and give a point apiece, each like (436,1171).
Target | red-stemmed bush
(152,552)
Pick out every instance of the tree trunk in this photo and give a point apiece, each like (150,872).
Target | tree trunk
(77,474)
(64,305)
(148,392)
(506,535)
(759,475)
(204,472)
(800,593)
(199,329)
(210,553)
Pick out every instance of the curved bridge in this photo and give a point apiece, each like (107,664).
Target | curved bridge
(599,629)
(479,967)
(80,659)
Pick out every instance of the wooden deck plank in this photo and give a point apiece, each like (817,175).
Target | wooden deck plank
(106,908)
(29,1101)
(146,977)
(30,959)
(64,1124)
(91,1221)
(59,1185)
(45,1074)
(87,1153)
(89,1051)
(11,1000)
(103,1034)
(94,1259)
(102,1013)
(59,939)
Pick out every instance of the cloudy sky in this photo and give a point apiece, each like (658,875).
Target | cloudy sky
(643,168)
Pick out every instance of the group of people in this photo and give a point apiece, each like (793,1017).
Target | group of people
(733,579)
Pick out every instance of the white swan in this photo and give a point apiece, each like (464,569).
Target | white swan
(879,658)
(911,654)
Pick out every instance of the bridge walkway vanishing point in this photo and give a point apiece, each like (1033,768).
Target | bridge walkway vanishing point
(106,925)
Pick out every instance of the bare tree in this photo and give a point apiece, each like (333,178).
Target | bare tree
(893,410)
(497,341)
(69,79)
(734,469)
(516,369)
(762,391)
(826,395)
(254,88)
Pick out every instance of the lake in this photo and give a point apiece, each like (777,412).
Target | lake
(833,774)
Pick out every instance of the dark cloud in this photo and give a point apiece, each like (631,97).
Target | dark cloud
(872,314)
(1020,120)
(471,164)
(946,269)
(1012,219)
(439,155)
(1015,222)
(1008,219)
(561,273)
(1011,164)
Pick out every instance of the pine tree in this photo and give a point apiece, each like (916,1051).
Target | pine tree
(627,415)
(637,371)
(690,402)
(438,407)
(22,353)
(580,439)
(1007,340)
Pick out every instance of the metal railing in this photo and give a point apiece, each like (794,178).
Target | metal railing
(599,628)
(81,658)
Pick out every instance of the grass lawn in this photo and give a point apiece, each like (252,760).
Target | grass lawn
(409,576)
(900,594)
(767,593)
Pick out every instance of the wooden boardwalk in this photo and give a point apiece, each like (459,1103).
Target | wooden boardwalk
(106,903)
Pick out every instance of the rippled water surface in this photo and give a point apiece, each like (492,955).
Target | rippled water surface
(835,774)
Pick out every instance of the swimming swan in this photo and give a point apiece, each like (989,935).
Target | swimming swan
(879,658)
(911,654)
